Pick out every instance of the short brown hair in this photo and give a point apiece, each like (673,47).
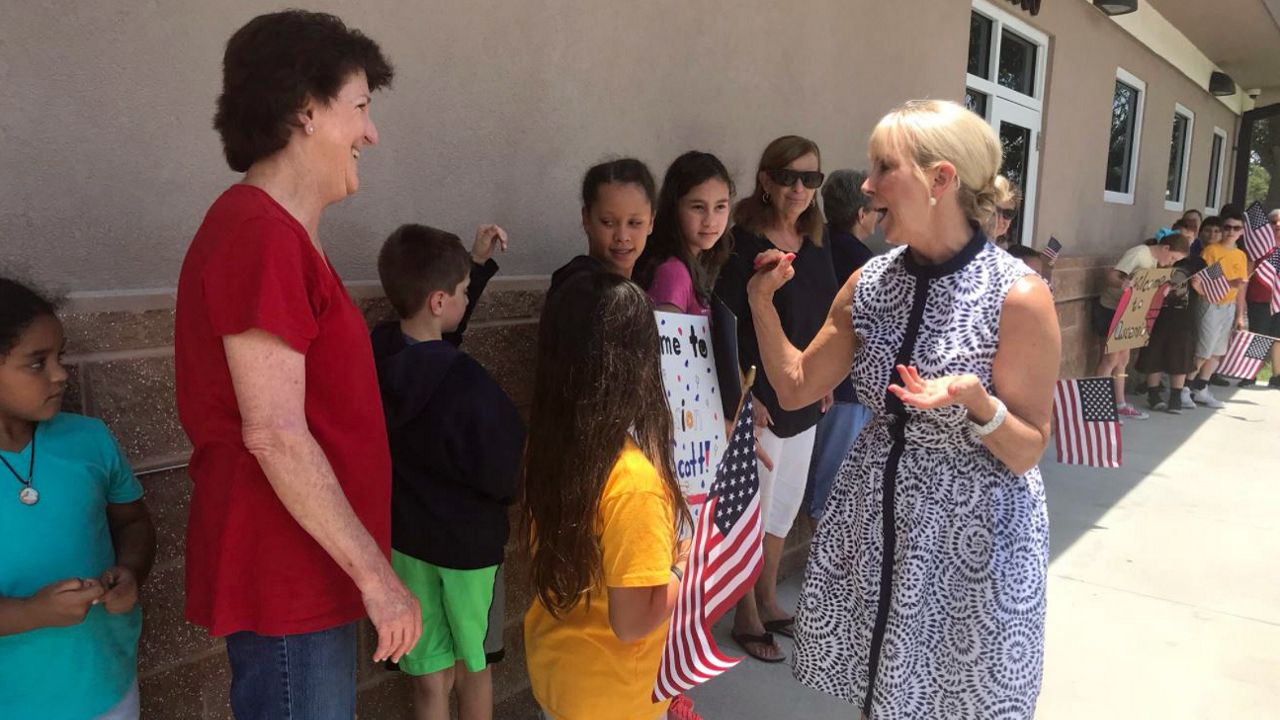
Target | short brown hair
(1176,242)
(272,66)
(416,261)
(754,212)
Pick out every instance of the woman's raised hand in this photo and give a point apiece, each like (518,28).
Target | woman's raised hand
(773,270)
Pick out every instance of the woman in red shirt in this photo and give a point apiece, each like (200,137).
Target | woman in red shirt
(289,528)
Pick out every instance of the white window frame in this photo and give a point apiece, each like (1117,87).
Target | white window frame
(1181,204)
(1000,21)
(1222,168)
(1135,149)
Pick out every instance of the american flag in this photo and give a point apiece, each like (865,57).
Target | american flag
(1214,283)
(1245,355)
(1259,239)
(1052,249)
(1269,275)
(1087,427)
(725,558)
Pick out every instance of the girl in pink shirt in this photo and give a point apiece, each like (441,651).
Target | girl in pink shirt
(690,240)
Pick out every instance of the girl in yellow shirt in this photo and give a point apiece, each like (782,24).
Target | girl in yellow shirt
(602,508)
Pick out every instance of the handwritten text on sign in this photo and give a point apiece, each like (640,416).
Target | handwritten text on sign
(1137,310)
(688,372)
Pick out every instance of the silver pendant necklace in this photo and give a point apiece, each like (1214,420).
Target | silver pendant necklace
(28,495)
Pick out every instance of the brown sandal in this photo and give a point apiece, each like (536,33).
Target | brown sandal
(745,641)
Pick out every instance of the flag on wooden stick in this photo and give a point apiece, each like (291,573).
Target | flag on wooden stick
(725,558)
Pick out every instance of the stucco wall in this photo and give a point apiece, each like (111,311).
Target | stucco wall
(1087,47)
(498,108)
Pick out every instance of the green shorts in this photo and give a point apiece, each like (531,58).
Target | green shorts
(462,614)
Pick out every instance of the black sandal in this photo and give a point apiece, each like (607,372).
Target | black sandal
(745,641)
(785,627)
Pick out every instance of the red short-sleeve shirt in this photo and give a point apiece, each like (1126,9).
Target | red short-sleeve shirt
(250,565)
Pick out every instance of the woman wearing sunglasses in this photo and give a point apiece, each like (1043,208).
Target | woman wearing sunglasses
(1008,196)
(780,214)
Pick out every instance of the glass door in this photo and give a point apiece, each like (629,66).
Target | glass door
(1019,131)
(1257,176)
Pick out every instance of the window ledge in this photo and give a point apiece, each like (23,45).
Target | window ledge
(1117,198)
(1173,206)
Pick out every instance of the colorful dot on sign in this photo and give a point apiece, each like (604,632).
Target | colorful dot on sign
(686,388)
(662,322)
(680,331)
(686,363)
(696,398)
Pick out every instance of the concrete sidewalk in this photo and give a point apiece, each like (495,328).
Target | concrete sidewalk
(1164,584)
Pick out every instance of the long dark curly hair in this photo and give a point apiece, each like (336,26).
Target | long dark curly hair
(598,380)
(686,173)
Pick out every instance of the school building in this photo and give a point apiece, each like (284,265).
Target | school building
(1113,122)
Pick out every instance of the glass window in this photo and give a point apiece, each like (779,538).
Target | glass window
(1017,63)
(1017,152)
(976,101)
(980,45)
(1124,115)
(1215,168)
(1177,157)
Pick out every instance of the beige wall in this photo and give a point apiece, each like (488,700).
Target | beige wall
(1087,47)
(498,108)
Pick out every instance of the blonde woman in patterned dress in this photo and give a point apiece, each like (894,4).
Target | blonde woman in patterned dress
(924,595)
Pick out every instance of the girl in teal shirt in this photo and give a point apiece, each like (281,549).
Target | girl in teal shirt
(76,540)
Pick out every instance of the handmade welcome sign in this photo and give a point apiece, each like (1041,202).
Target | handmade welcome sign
(693,392)
(1137,310)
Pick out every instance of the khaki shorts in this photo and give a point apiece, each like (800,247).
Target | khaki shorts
(1214,328)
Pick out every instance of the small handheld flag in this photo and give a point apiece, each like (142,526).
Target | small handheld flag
(1052,249)
(1259,239)
(725,558)
(1213,283)
(1269,275)
(1086,424)
(1245,355)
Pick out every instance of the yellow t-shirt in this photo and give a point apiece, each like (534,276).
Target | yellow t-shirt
(1235,265)
(578,668)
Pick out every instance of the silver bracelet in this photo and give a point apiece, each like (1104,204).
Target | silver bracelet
(996,420)
(675,570)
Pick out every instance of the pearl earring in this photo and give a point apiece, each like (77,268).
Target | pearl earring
(933,201)
(311,129)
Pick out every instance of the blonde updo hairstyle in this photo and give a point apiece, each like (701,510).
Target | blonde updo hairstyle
(1006,192)
(927,133)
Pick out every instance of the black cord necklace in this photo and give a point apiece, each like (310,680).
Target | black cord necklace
(28,495)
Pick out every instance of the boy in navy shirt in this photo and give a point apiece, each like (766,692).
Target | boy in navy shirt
(456,444)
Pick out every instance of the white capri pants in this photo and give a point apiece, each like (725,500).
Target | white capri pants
(782,488)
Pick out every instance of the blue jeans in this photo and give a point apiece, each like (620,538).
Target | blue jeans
(311,676)
(836,432)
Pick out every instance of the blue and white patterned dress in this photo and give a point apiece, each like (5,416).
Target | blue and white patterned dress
(924,596)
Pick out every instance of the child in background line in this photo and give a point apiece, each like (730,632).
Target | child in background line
(602,507)
(690,241)
(617,215)
(1035,260)
(456,441)
(1172,347)
(1217,320)
(76,540)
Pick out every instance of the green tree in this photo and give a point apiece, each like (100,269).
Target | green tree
(1264,163)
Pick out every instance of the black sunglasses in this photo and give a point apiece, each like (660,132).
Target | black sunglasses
(812,179)
(1008,213)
